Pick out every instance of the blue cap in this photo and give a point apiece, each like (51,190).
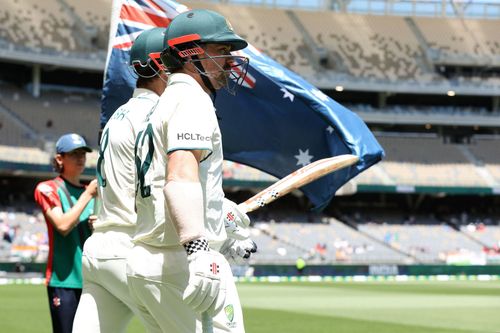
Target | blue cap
(70,142)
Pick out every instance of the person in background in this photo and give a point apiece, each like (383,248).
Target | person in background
(66,204)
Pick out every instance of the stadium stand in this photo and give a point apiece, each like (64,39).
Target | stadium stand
(486,149)
(53,25)
(12,134)
(55,113)
(23,235)
(428,161)
(319,243)
(270,30)
(489,235)
(455,40)
(367,48)
(428,243)
(420,149)
(30,155)
(241,172)
(93,16)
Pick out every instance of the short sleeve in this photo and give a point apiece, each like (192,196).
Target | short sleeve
(46,196)
(191,127)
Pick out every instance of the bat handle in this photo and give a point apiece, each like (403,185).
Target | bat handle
(243,207)
(207,323)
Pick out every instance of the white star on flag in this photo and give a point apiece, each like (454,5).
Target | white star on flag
(303,158)
(287,94)
(329,129)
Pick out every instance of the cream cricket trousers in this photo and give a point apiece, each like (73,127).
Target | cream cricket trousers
(105,305)
(157,278)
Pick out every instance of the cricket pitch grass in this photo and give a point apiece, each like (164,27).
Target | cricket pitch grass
(303,307)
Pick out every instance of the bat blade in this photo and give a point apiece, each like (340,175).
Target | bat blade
(297,179)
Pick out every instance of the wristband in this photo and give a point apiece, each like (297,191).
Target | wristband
(200,244)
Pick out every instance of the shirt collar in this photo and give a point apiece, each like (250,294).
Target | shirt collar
(143,91)
(183,78)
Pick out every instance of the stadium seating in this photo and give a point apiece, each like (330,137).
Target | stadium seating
(420,149)
(454,37)
(269,30)
(382,239)
(55,113)
(428,161)
(318,243)
(366,48)
(54,25)
(388,48)
(12,134)
(241,172)
(489,235)
(93,15)
(486,150)
(374,47)
(427,243)
(27,240)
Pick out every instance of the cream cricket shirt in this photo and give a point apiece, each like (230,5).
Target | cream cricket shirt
(115,165)
(184,119)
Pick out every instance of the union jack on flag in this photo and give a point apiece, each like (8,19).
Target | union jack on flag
(139,15)
(128,19)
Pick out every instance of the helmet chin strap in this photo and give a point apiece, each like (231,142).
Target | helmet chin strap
(204,78)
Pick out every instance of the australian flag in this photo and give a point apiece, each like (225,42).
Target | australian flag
(277,122)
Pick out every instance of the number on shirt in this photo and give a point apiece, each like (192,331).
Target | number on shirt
(100,160)
(142,167)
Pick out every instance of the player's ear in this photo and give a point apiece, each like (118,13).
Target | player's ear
(57,163)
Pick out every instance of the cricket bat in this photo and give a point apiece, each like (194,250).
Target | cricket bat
(282,187)
(297,179)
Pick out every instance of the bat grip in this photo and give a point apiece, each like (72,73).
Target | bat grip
(207,323)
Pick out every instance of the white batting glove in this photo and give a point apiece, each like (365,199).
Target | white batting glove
(205,291)
(235,221)
(238,251)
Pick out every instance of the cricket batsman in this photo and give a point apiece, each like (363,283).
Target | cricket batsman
(105,304)
(175,271)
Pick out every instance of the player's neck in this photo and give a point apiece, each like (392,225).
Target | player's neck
(156,84)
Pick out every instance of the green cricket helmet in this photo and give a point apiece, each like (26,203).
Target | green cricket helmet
(145,52)
(189,31)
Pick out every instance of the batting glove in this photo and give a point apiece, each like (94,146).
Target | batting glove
(235,221)
(238,251)
(205,291)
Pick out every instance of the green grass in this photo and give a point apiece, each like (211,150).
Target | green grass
(385,307)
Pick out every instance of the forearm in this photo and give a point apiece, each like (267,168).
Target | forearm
(184,195)
(65,222)
(184,200)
